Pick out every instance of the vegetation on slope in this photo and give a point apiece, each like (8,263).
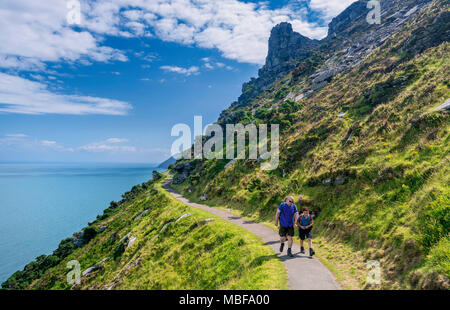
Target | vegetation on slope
(378,175)
(188,254)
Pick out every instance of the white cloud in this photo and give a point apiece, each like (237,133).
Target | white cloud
(109,145)
(25,142)
(194,70)
(330,8)
(116,140)
(211,64)
(36,32)
(19,95)
(239,30)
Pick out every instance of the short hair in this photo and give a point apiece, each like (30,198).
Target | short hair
(290,198)
(305,209)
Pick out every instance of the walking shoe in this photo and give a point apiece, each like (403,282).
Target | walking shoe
(281,247)
(302,250)
(290,252)
(311,252)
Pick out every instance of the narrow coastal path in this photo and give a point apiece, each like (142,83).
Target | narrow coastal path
(304,273)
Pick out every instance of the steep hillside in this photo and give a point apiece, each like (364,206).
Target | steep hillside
(151,241)
(362,140)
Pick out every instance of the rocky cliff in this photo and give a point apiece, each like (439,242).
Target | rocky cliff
(350,39)
(364,136)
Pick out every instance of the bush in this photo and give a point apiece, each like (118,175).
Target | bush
(89,234)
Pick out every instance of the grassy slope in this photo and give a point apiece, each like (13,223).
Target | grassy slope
(394,206)
(217,255)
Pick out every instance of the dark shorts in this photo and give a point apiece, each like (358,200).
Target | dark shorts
(286,231)
(304,233)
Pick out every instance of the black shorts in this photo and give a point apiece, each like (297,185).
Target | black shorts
(304,233)
(286,231)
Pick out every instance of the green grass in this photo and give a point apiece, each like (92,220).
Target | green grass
(187,255)
(393,150)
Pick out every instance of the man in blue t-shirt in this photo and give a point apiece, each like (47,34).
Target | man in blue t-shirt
(287,215)
(305,223)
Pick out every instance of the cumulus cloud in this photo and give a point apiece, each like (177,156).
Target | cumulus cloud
(194,70)
(35,32)
(330,8)
(239,30)
(23,96)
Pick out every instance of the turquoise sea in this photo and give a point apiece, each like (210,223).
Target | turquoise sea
(41,204)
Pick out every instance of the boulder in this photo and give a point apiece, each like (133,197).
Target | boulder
(91,270)
(203,222)
(140,215)
(102,229)
(182,217)
(131,241)
(204,197)
(125,239)
(165,227)
(231,163)
(444,106)
(340,180)
(327,181)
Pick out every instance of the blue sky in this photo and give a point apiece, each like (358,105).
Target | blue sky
(110,86)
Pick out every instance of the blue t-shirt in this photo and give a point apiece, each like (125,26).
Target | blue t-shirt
(287,214)
(304,220)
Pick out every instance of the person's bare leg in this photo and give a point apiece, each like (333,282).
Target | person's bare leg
(301,243)
(282,241)
(311,251)
(290,241)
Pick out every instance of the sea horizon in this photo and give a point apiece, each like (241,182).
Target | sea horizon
(45,202)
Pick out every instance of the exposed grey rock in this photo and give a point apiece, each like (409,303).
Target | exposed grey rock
(412,11)
(204,197)
(323,75)
(203,222)
(327,181)
(91,270)
(165,227)
(182,217)
(340,180)
(342,114)
(262,157)
(125,239)
(317,86)
(140,215)
(232,162)
(131,241)
(286,49)
(444,106)
(299,97)
(102,229)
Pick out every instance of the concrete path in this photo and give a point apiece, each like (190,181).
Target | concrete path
(304,273)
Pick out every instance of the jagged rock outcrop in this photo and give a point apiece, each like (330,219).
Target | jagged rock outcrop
(286,49)
(350,39)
